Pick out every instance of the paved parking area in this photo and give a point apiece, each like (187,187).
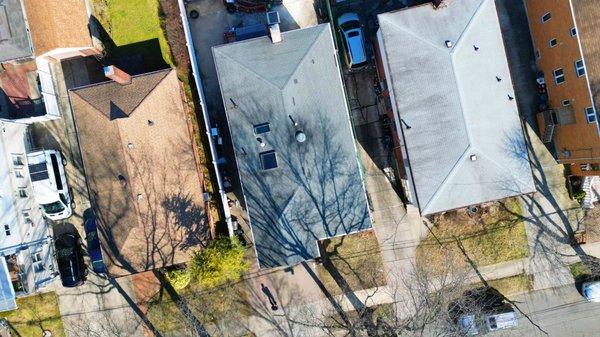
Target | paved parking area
(207,31)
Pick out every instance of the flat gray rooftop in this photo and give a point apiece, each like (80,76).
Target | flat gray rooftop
(14,35)
(296,192)
(465,145)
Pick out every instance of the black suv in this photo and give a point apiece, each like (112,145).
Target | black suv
(70,260)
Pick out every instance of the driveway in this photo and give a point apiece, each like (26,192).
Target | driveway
(207,31)
(561,312)
(99,307)
(550,215)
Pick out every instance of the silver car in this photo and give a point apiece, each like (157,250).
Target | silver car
(591,291)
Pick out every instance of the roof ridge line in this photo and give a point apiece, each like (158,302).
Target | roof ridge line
(303,58)
(413,34)
(503,168)
(149,92)
(248,69)
(467,26)
(86,102)
(452,172)
(456,79)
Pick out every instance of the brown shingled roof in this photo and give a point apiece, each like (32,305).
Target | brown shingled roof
(587,17)
(57,24)
(141,172)
(117,101)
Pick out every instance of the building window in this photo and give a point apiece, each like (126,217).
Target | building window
(553,43)
(27,218)
(17,160)
(7,230)
(22,193)
(579,68)
(19,174)
(590,114)
(546,17)
(566,102)
(573,31)
(559,76)
(37,256)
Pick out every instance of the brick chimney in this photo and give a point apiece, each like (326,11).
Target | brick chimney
(117,75)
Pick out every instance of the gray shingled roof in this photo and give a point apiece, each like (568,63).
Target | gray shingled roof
(14,35)
(455,105)
(316,191)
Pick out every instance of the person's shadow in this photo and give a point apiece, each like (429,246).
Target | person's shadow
(270,296)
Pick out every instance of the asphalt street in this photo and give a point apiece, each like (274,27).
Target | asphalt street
(561,312)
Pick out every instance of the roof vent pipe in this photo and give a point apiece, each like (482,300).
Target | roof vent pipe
(448,44)
(300,136)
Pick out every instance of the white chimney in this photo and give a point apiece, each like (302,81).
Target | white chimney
(273,23)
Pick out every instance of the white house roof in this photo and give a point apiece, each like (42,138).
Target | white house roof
(451,84)
(311,188)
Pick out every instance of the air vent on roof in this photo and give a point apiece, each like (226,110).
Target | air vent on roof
(448,44)
(273,18)
(260,141)
(262,128)
(473,157)
(300,136)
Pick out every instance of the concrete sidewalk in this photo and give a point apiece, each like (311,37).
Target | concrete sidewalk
(550,218)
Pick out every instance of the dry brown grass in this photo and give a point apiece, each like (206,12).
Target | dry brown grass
(496,234)
(513,285)
(592,224)
(350,263)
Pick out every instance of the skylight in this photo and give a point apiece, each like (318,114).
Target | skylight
(262,128)
(268,160)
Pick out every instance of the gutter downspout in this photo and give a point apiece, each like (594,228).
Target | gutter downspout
(198,82)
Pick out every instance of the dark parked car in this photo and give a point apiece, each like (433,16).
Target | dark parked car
(70,260)
(93,245)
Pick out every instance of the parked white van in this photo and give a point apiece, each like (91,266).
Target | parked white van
(49,183)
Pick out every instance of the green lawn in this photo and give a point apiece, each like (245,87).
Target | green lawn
(495,234)
(35,314)
(134,26)
(352,262)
